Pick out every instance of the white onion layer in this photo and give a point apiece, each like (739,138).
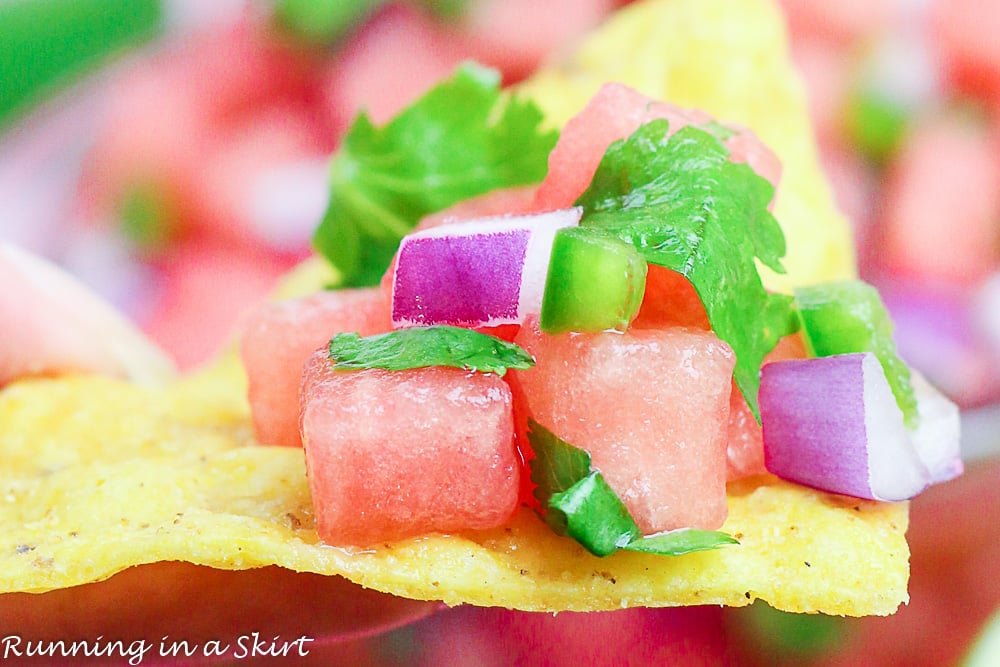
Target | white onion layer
(833,423)
(938,436)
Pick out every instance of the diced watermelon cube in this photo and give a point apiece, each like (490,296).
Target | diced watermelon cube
(278,339)
(841,23)
(505,201)
(397,454)
(745,453)
(942,204)
(966,39)
(651,407)
(397,55)
(670,300)
(745,448)
(516,35)
(615,112)
(206,286)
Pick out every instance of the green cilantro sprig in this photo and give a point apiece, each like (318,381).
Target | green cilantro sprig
(686,206)
(579,503)
(47,44)
(461,139)
(419,347)
(325,22)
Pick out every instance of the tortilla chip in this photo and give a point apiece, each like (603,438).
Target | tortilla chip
(729,58)
(99,475)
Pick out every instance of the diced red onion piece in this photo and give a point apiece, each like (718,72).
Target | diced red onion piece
(937,437)
(833,423)
(937,332)
(482,272)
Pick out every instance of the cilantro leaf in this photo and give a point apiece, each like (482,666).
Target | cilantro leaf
(557,466)
(419,347)
(589,499)
(323,21)
(47,45)
(446,9)
(580,504)
(461,139)
(685,206)
(683,541)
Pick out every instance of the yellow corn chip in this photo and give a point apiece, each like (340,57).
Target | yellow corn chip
(99,475)
(729,58)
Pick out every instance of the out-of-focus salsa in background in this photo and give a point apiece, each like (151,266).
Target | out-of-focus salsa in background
(171,153)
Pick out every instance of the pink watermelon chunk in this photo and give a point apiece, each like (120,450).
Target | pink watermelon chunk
(506,201)
(516,35)
(745,452)
(651,407)
(942,204)
(842,23)
(615,112)
(206,286)
(966,39)
(278,339)
(395,57)
(397,454)
(670,300)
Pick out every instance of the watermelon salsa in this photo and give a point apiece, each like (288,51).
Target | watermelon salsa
(625,389)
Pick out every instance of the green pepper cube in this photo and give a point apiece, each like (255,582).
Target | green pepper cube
(595,282)
(876,124)
(849,316)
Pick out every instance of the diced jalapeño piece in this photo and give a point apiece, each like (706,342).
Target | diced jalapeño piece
(595,282)
(849,316)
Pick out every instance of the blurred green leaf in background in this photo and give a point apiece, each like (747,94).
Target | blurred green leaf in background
(45,44)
